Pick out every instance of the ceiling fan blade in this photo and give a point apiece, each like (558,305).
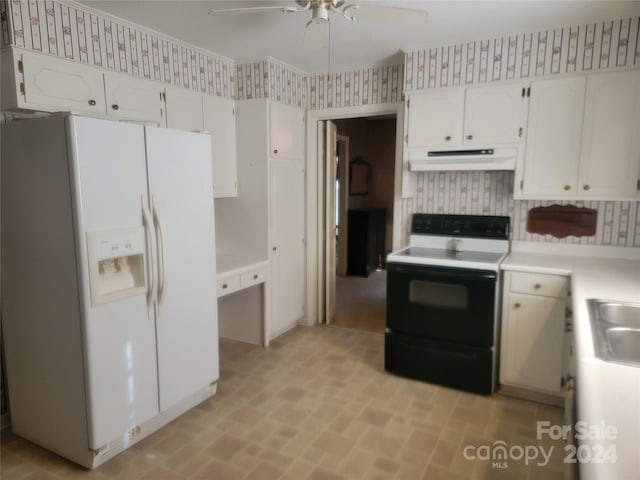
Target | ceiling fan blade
(386,15)
(226,11)
(316,35)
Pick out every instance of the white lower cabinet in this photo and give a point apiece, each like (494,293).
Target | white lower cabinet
(534,309)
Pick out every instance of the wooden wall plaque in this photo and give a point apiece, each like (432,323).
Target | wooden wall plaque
(562,221)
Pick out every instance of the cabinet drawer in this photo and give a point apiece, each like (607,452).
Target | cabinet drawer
(228,285)
(539,284)
(253,277)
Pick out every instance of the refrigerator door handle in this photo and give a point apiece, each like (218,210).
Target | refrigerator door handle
(151,258)
(162,273)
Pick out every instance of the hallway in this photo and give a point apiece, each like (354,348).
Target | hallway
(361,302)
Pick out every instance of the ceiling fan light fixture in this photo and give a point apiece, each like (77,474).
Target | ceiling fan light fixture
(319,15)
(316,35)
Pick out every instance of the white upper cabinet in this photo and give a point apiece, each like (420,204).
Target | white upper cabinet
(492,114)
(552,150)
(485,116)
(610,160)
(187,110)
(435,118)
(219,119)
(184,109)
(286,131)
(34,81)
(132,98)
(583,138)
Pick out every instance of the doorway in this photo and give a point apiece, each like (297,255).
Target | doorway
(360,173)
(316,285)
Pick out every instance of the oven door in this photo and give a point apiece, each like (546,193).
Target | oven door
(442,303)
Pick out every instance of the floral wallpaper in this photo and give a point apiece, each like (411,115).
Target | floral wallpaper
(273,80)
(78,33)
(491,193)
(362,86)
(603,45)
(582,48)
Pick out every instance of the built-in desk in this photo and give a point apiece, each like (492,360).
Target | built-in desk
(243,299)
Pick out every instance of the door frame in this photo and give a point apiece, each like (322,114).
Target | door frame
(315,194)
(343,173)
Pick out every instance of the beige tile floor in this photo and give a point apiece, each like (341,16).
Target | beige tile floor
(361,302)
(316,405)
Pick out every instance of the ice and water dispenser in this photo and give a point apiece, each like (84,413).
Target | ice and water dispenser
(117,264)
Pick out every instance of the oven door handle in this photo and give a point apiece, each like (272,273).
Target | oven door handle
(426,272)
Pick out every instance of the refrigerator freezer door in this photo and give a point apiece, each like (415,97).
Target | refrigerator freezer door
(181,188)
(120,350)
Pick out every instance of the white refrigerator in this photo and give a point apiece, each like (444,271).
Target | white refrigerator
(109,312)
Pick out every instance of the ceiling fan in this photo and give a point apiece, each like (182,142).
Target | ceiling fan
(316,35)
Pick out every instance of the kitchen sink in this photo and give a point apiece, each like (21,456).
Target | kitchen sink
(616,330)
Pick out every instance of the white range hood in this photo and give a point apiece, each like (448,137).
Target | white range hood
(502,158)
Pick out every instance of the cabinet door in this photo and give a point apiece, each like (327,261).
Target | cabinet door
(184,109)
(435,118)
(52,84)
(492,114)
(553,139)
(219,116)
(286,127)
(532,333)
(287,244)
(611,135)
(132,98)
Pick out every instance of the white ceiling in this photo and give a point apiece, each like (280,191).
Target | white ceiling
(249,37)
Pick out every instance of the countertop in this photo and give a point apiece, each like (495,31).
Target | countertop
(607,392)
(234,264)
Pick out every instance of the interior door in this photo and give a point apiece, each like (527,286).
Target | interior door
(330,159)
(181,199)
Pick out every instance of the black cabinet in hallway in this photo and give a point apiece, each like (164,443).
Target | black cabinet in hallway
(365,241)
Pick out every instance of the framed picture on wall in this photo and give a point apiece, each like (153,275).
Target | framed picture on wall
(358,177)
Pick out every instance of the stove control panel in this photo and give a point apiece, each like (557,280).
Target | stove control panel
(478,226)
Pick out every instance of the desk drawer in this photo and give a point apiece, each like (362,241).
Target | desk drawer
(539,284)
(228,285)
(253,277)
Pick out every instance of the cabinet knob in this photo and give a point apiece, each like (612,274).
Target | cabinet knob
(567,187)
(255,276)
(516,305)
(537,286)
(567,383)
(115,106)
(274,248)
(275,150)
(92,102)
(586,187)
(224,285)
(469,137)
(447,138)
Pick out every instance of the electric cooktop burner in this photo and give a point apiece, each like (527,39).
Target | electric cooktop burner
(461,241)
(444,257)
